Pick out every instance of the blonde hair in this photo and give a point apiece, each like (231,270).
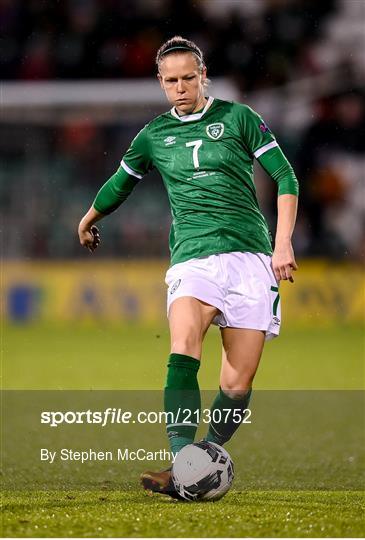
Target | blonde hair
(180,45)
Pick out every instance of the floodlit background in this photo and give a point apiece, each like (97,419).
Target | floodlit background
(79,82)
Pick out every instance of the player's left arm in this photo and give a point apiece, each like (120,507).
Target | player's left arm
(278,167)
(261,143)
(283,259)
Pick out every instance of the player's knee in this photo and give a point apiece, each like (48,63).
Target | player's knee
(237,387)
(236,393)
(189,344)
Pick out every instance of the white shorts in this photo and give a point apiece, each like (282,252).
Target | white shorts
(241,285)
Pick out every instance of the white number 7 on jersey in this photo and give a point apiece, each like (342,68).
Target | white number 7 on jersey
(196,145)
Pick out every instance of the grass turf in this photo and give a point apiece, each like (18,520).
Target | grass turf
(105,357)
(134,357)
(132,514)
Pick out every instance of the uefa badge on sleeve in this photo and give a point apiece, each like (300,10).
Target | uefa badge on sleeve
(264,127)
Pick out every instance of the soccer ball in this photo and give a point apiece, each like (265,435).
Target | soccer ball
(202,471)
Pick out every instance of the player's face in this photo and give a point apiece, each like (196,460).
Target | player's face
(182,81)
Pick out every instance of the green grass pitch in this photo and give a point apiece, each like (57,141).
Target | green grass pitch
(133,357)
(134,514)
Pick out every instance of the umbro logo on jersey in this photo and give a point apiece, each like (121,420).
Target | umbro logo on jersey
(215,131)
(175,286)
(169,140)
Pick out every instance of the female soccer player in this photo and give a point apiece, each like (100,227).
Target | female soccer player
(222,269)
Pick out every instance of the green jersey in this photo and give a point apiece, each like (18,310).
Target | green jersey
(206,163)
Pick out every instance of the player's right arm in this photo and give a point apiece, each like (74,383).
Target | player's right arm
(136,162)
(89,234)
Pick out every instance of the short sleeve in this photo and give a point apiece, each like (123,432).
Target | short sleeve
(257,136)
(137,161)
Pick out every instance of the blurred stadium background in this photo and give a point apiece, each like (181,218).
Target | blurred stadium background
(79,82)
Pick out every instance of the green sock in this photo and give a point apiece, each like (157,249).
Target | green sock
(182,400)
(222,425)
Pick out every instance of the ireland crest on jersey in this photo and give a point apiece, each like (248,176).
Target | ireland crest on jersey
(215,130)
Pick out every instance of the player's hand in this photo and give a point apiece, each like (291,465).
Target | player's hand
(283,262)
(89,238)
